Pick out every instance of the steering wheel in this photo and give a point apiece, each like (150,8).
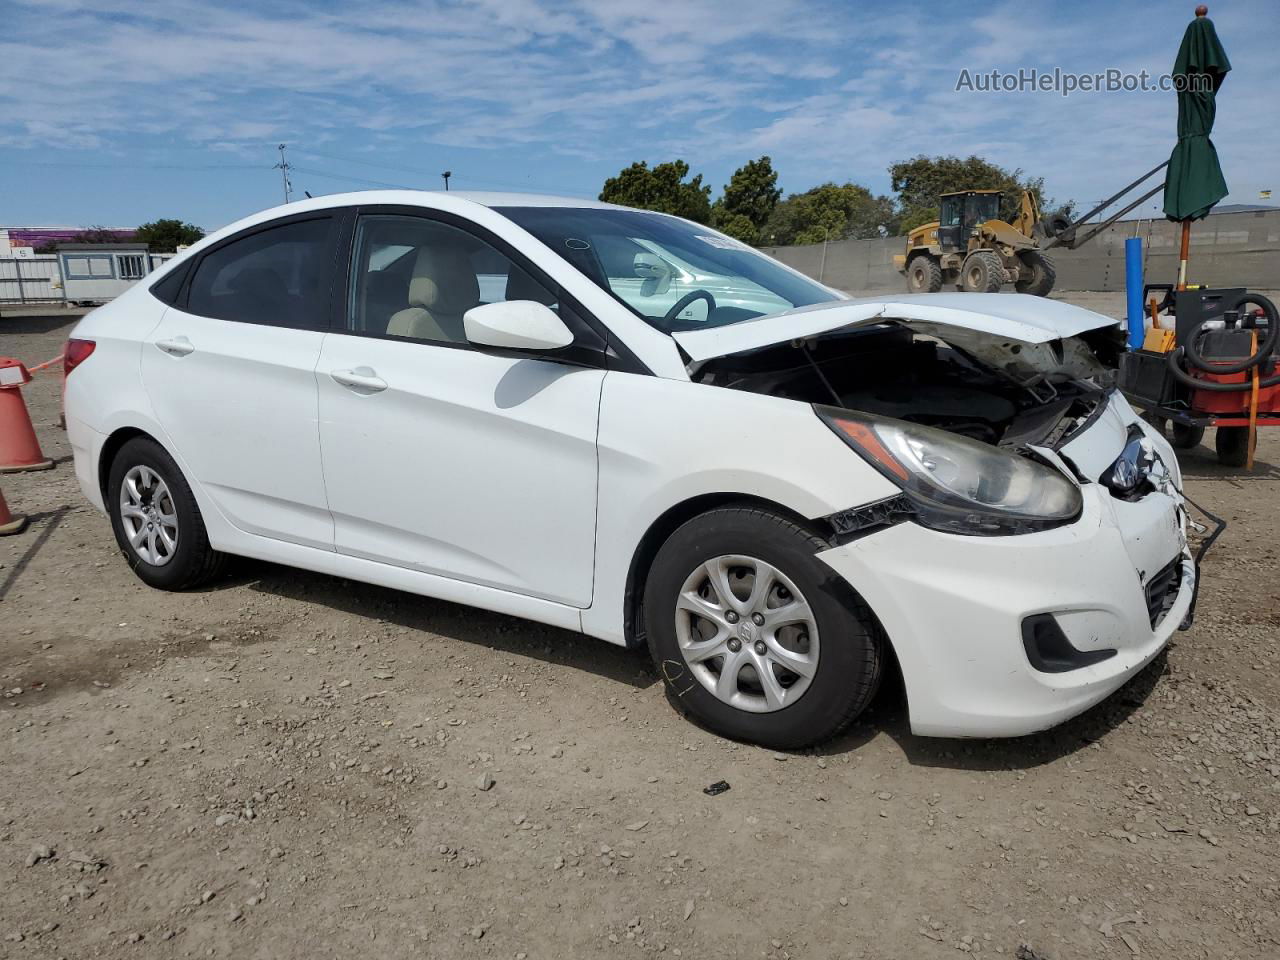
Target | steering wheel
(687,299)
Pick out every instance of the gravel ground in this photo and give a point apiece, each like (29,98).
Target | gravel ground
(291,765)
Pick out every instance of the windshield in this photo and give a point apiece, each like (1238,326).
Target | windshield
(981,207)
(672,273)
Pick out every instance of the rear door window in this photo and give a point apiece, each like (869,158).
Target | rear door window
(278,277)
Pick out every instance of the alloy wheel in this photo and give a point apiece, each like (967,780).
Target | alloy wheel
(747,634)
(149,516)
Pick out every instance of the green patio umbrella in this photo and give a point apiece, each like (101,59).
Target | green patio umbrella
(1194,181)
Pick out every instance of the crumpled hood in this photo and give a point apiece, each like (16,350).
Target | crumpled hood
(1027,337)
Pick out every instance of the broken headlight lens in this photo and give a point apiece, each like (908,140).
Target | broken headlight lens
(957,484)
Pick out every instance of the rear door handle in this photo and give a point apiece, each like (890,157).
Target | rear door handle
(361,380)
(177,347)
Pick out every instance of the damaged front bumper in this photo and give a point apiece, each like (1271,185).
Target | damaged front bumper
(1005,636)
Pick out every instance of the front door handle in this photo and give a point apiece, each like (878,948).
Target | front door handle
(361,380)
(177,347)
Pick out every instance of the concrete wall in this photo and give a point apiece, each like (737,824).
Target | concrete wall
(1229,249)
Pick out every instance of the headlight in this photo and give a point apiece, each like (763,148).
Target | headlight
(957,484)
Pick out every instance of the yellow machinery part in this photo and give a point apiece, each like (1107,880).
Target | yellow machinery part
(1158,341)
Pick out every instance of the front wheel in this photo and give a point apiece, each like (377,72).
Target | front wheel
(156,520)
(754,636)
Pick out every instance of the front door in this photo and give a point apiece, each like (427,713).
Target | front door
(230,371)
(439,457)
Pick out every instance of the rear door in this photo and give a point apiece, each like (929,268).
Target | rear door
(444,458)
(230,371)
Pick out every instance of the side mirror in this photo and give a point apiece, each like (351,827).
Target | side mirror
(516,325)
(654,271)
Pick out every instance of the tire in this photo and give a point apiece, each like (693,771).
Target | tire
(982,272)
(924,274)
(845,652)
(168,561)
(1037,275)
(1232,445)
(1056,224)
(1184,436)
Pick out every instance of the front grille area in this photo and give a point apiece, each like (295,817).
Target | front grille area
(1162,590)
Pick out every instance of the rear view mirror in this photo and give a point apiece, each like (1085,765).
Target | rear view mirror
(516,325)
(654,271)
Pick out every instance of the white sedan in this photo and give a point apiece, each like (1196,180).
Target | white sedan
(776,489)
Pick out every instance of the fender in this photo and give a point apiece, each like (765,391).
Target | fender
(698,429)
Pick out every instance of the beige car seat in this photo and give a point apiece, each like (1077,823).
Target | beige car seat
(443,288)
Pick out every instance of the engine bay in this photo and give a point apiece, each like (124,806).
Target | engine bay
(892,371)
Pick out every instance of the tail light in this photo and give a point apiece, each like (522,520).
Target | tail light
(77,352)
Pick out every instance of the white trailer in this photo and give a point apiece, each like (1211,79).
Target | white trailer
(98,272)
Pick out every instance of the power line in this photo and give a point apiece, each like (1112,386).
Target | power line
(134,166)
(570,191)
(339,176)
(473,183)
(453,176)
(370,163)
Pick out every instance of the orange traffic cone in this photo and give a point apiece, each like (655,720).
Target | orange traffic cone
(8,522)
(19,448)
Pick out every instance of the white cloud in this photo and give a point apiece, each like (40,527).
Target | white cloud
(832,91)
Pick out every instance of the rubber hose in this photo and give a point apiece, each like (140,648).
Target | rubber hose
(1265,349)
(1194,358)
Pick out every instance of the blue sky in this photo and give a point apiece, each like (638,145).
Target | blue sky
(117,114)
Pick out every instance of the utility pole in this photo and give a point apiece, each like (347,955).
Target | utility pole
(283,167)
(447,174)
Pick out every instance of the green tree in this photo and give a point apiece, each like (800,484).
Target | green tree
(662,188)
(737,226)
(829,211)
(165,236)
(919,181)
(749,198)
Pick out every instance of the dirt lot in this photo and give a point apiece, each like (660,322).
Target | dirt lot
(289,765)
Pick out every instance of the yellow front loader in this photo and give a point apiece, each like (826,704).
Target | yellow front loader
(971,247)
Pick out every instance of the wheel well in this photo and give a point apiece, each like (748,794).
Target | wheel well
(109,451)
(667,524)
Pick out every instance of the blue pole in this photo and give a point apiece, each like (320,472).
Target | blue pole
(1133,289)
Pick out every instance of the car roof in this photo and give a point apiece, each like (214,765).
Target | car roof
(432,198)
(457,201)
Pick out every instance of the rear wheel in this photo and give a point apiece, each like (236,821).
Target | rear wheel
(753,635)
(156,520)
(1036,275)
(1232,445)
(924,274)
(982,272)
